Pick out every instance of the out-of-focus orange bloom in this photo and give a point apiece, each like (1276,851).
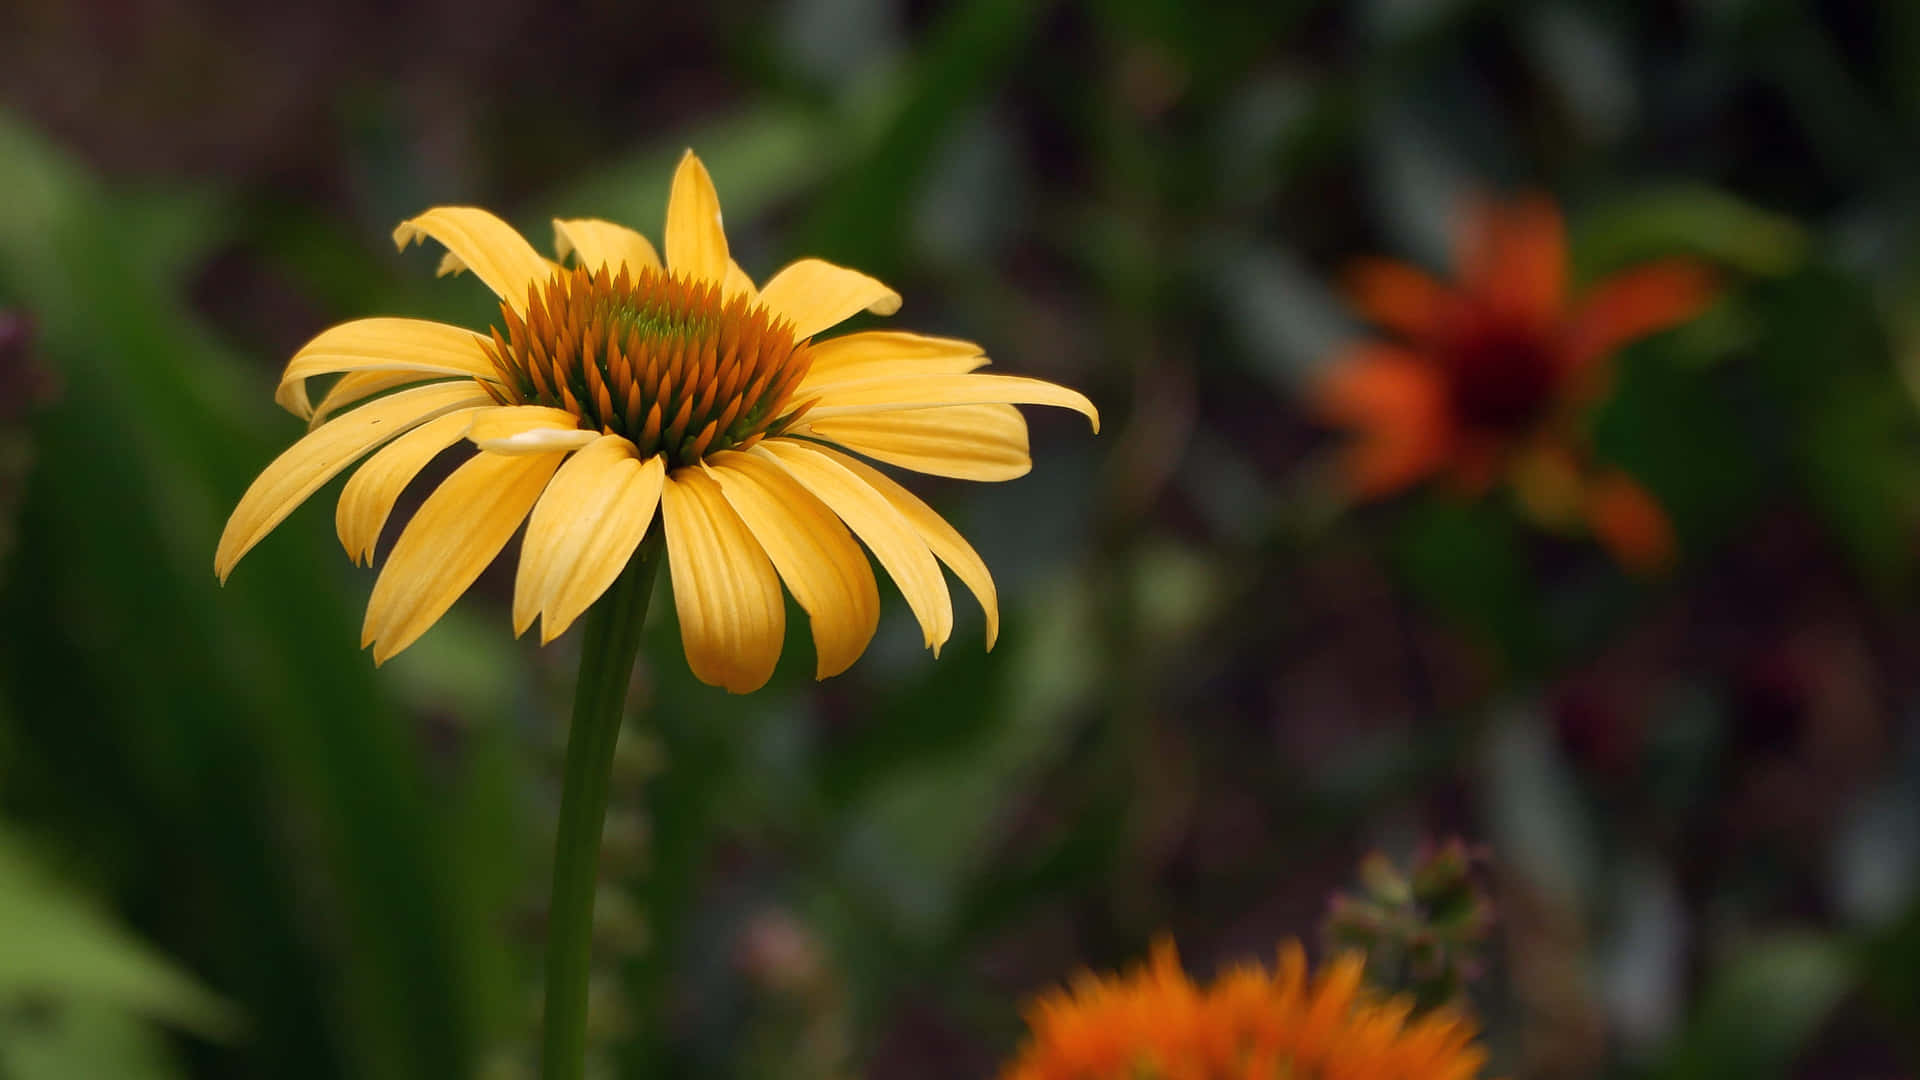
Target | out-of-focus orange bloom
(1499,361)
(1250,1024)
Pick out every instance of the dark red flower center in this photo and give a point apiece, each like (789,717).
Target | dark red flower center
(1501,380)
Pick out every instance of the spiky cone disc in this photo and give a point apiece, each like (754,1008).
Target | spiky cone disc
(657,358)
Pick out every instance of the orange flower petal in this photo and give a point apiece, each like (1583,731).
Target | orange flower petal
(1398,297)
(1396,404)
(1514,260)
(1250,1022)
(1633,304)
(1629,523)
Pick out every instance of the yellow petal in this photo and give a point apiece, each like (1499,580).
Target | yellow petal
(478,241)
(588,523)
(602,559)
(696,242)
(732,614)
(738,284)
(942,539)
(367,500)
(814,294)
(321,455)
(823,567)
(457,532)
(966,442)
(595,243)
(874,520)
(865,396)
(874,353)
(527,429)
(357,386)
(398,345)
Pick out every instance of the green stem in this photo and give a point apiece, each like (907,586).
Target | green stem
(607,652)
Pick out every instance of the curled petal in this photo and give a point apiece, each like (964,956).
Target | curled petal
(814,294)
(527,429)
(413,347)
(478,241)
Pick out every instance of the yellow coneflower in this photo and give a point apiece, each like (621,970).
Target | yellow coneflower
(1250,1024)
(624,385)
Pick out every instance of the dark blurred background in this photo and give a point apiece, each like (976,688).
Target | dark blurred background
(231,848)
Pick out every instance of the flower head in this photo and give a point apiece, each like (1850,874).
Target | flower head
(626,384)
(1250,1024)
(1494,369)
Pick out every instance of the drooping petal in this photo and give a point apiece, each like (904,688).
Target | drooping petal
(357,386)
(595,244)
(322,454)
(732,613)
(1398,297)
(478,241)
(527,429)
(1396,406)
(367,500)
(1633,304)
(892,538)
(696,239)
(814,294)
(818,559)
(942,539)
(416,346)
(874,353)
(966,442)
(586,527)
(456,533)
(1514,260)
(738,283)
(893,394)
(1631,524)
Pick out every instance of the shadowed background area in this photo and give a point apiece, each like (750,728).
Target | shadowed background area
(229,847)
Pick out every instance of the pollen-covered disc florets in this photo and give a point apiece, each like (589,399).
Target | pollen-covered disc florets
(655,357)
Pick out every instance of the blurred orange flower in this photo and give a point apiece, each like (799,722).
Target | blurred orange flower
(1496,367)
(1155,1024)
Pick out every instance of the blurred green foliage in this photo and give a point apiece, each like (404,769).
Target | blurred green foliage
(1217,685)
